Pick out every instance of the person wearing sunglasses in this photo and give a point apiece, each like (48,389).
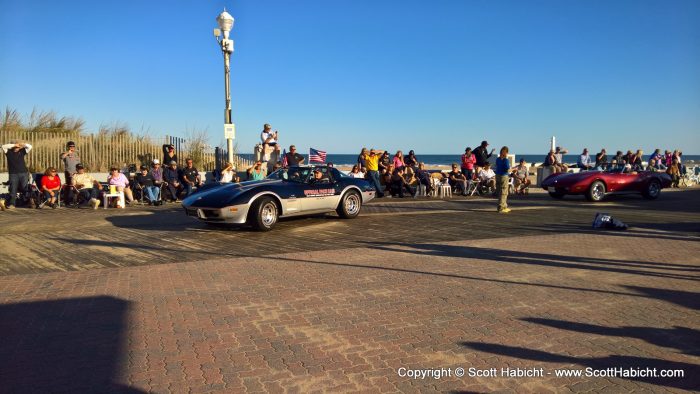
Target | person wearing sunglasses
(51,187)
(119,180)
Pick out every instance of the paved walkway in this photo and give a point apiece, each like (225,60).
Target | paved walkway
(324,304)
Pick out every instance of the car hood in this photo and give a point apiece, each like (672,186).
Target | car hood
(568,178)
(221,195)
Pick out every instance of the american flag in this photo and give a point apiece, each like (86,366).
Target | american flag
(284,158)
(316,156)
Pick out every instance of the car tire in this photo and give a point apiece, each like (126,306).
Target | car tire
(653,190)
(350,205)
(596,192)
(557,195)
(263,214)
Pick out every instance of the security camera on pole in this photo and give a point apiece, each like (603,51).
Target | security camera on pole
(225,21)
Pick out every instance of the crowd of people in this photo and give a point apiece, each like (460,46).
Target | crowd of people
(398,175)
(669,162)
(401,175)
(152,183)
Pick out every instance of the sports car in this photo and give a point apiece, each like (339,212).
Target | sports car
(595,185)
(292,191)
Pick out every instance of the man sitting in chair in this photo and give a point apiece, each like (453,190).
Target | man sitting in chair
(488,177)
(147,184)
(190,177)
(86,186)
(171,176)
(458,180)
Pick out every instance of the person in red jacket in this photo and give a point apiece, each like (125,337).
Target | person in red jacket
(51,186)
(468,162)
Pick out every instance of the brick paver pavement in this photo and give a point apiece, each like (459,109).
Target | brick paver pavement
(350,315)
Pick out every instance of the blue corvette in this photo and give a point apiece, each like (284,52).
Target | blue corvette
(286,192)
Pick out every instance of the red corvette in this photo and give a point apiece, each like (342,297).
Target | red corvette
(596,184)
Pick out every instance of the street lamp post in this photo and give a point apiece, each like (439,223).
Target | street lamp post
(225,21)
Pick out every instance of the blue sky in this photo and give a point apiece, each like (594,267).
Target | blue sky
(434,76)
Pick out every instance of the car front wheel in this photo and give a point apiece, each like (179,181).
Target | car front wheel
(653,190)
(263,214)
(350,205)
(596,192)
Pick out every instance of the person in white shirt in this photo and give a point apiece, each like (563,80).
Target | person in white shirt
(356,173)
(487,176)
(559,155)
(269,138)
(228,175)
(584,161)
(521,174)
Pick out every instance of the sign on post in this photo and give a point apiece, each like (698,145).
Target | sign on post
(229,131)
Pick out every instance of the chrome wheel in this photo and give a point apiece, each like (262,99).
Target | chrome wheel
(352,204)
(268,214)
(596,192)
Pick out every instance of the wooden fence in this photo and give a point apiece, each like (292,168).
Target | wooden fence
(98,152)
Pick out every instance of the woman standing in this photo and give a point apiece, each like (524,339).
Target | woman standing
(398,160)
(361,158)
(468,162)
(502,172)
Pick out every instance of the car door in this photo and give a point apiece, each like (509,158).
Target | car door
(615,181)
(628,182)
(320,195)
(292,191)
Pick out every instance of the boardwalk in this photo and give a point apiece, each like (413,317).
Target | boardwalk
(147,300)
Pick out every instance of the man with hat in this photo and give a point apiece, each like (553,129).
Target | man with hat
(372,163)
(86,185)
(269,138)
(171,176)
(169,154)
(482,155)
(70,159)
(157,172)
(146,182)
(19,174)
(318,176)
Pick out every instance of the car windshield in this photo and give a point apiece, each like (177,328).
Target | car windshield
(304,174)
(292,174)
(615,169)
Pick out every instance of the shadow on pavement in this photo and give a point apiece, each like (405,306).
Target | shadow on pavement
(678,231)
(683,339)
(686,299)
(663,270)
(69,345)
(690,380)
(449,275)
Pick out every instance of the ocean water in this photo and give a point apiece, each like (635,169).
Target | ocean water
(447,160)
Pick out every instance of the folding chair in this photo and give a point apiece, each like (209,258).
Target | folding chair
(39,194)
(511,185)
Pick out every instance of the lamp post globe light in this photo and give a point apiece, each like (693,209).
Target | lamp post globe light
(225,21)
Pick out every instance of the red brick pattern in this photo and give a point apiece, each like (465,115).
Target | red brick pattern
(347,320)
